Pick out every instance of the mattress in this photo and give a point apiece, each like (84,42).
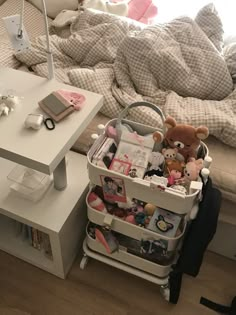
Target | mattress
(33,21)
(223,170)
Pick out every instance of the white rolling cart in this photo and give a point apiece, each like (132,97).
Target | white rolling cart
(149,192)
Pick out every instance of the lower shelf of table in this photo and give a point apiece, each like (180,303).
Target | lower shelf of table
(59,214)
(15,245)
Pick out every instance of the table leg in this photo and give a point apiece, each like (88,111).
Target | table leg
(59,175)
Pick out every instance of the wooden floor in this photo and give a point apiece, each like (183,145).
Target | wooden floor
(103,290)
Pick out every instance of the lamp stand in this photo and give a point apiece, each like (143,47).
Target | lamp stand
(19,37)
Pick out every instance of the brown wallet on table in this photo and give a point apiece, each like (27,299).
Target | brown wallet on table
(56,106)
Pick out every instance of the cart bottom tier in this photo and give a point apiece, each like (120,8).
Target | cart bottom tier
(126,258)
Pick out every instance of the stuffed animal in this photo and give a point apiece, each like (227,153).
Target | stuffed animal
(8,104)
(170,153)
(158,137)
(156,159)
(143,11)
(191,172)
(184,137)
(192,169)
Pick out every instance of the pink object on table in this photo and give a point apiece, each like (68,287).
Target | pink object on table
(74,98)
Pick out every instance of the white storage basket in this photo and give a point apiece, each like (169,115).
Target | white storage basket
(139,188)
(129,259)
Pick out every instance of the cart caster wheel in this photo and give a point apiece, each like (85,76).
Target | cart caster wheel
(83,262)
(165,292)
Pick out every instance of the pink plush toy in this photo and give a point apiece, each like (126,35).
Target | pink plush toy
(192,169)
(143,11)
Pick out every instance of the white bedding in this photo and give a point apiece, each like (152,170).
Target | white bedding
(108,55)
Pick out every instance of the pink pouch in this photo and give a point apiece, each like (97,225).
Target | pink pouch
(61,103)
(74,98)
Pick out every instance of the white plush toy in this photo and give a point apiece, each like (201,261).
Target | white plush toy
(156,159)
(7,104)
(120,8)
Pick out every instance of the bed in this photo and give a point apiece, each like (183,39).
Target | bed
(126,61)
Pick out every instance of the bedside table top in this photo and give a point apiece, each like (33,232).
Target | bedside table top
(41,149)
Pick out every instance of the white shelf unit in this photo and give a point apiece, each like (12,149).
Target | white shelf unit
(60,214)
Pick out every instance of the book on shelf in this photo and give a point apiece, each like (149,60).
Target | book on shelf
(36,238)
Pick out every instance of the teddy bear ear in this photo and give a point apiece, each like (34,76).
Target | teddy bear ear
(202,132)
(163,150)
(158,137)
(170,122)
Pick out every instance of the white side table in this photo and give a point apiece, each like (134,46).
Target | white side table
(60,214)
(42,150)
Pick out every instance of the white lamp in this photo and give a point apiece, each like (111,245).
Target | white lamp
(19,38)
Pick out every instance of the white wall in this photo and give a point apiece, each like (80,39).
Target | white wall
(170,9)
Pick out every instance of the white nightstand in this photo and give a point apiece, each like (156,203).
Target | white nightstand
(60,214)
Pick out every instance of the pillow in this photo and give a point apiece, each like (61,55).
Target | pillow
(210,23)
(54,7)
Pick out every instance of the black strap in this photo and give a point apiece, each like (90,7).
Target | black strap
(230,310)
(49,123)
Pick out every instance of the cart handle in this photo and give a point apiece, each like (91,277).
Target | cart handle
(138,104)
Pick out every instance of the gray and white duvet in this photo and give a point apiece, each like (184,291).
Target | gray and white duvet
(178,66)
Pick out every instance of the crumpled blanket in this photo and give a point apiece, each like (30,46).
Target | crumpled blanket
(177,66)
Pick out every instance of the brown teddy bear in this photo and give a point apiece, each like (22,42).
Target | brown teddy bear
(185,138)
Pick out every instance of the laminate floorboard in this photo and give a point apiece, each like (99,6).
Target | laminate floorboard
(103,290)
